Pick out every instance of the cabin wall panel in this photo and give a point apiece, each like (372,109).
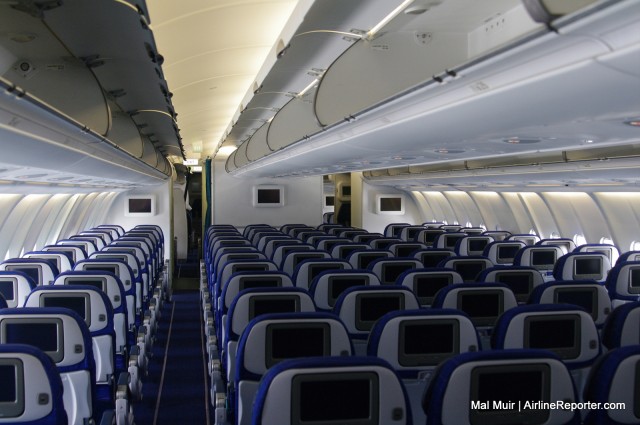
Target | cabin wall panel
(377,222)
(495,212)
(466,209)
(524,221)
(76,221)
(424,209)
(16,228)
(622,213)
(540,214)
(180,226)
(577,213)
(440,206)
(48,232)
(161,218)
(233,200)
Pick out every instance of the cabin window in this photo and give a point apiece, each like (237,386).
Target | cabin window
(579,239)
(533,232)
(606,240)
(635,246)
(554,235)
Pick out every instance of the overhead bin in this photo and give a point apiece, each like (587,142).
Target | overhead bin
(295,121)
(92,67)
(544,91)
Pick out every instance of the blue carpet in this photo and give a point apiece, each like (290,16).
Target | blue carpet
(184,389)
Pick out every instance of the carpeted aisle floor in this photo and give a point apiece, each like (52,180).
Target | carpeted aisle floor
(176,390)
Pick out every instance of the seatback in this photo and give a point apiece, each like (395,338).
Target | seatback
(96,240)
(482,302)
(589,295)
(62,261)
(295,258)
(410,233)
(87,246)
(328,286)
(428,236)
(521,279)
(406,249)
(64,336)
(15,287)
(472,245)
(425,283)
(464,389)
(342,251)
(566,330)
(389,270)
(469,267)
(362,259)
(310,269)
(282,250)
(252,303)
(503,252)
(32,383)
(615,379)
(331,390)
(119,230)
(367,237)
(42,272)
(432,257)
(611,251)
(621,328)
(383,243)
(567,245)
(236,266)
(415,342)
(105,236)
(448,240)
(112,287)
(581,266)
(629,256)
(394,230)
(134,290)
(623,283)
(360,307)
(76,252)
(95,309)
(273,338)
(527,238)
(497,235)
(541,258)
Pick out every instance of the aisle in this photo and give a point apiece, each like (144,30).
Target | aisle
(176,391)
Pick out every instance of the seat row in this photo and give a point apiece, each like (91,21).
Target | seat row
(90,303)
(228,347)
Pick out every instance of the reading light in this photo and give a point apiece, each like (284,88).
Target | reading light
(395,12)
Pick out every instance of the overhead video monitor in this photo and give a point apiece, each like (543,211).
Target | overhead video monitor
(140,206)
(371,306)
(329,201)
(319,398)
(338,284)
(558,333)
(427,286)
(428,342)
(268,195)
(294,340)
(43,333)
(509,386)
(12,388)
(482,306)
(266,304)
